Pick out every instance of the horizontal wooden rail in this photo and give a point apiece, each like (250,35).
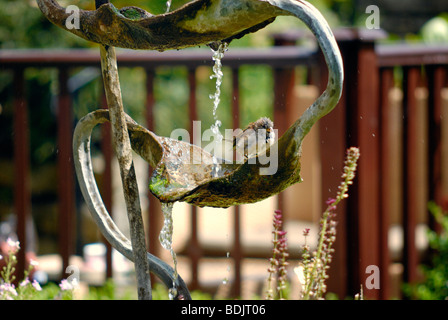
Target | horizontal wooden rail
(411,55)
(277,57)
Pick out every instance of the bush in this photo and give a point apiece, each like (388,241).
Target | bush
(435,285)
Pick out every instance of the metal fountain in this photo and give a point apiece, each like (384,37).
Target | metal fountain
(183,172)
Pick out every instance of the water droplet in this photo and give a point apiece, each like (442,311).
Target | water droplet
(172,293)
(226,279)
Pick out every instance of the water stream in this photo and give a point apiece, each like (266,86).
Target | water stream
(218,75)
(166,240)
(227,277)
(166,234)
(168,6)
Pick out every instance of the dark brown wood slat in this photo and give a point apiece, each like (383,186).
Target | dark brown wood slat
(22,192)
(367,123)
(332,135)
(194,249)
(411,150)
(386,175)
(411,55)
(106,186)
(154,213)
(65,170)
(237,252)
(437,77)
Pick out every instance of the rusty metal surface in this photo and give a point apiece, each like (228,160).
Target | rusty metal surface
(197,22)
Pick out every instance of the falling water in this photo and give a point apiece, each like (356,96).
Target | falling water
(168,6)
(218,74)
(226,279)
(166,240)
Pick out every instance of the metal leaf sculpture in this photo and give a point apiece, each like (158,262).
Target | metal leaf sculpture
(236,184)
(198,22)
(176,176)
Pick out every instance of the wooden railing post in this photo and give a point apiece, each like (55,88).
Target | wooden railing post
(437,80)
(237,246)
(154,213)
(332,137)
(65,171)
(354,122)
(284,81)
(22,194)
(362,116)
(412,210)
(106,186)
(194,247)
(387,194)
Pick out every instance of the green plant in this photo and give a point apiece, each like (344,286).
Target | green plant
(27,289)
(278,262)
(312,271)
(435,284)
(8,291)
(316,265)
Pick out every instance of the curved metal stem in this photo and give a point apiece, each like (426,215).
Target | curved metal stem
(314,20)
(92,196)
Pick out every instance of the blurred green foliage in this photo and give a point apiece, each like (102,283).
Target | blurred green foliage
(436,29)
(435,284)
